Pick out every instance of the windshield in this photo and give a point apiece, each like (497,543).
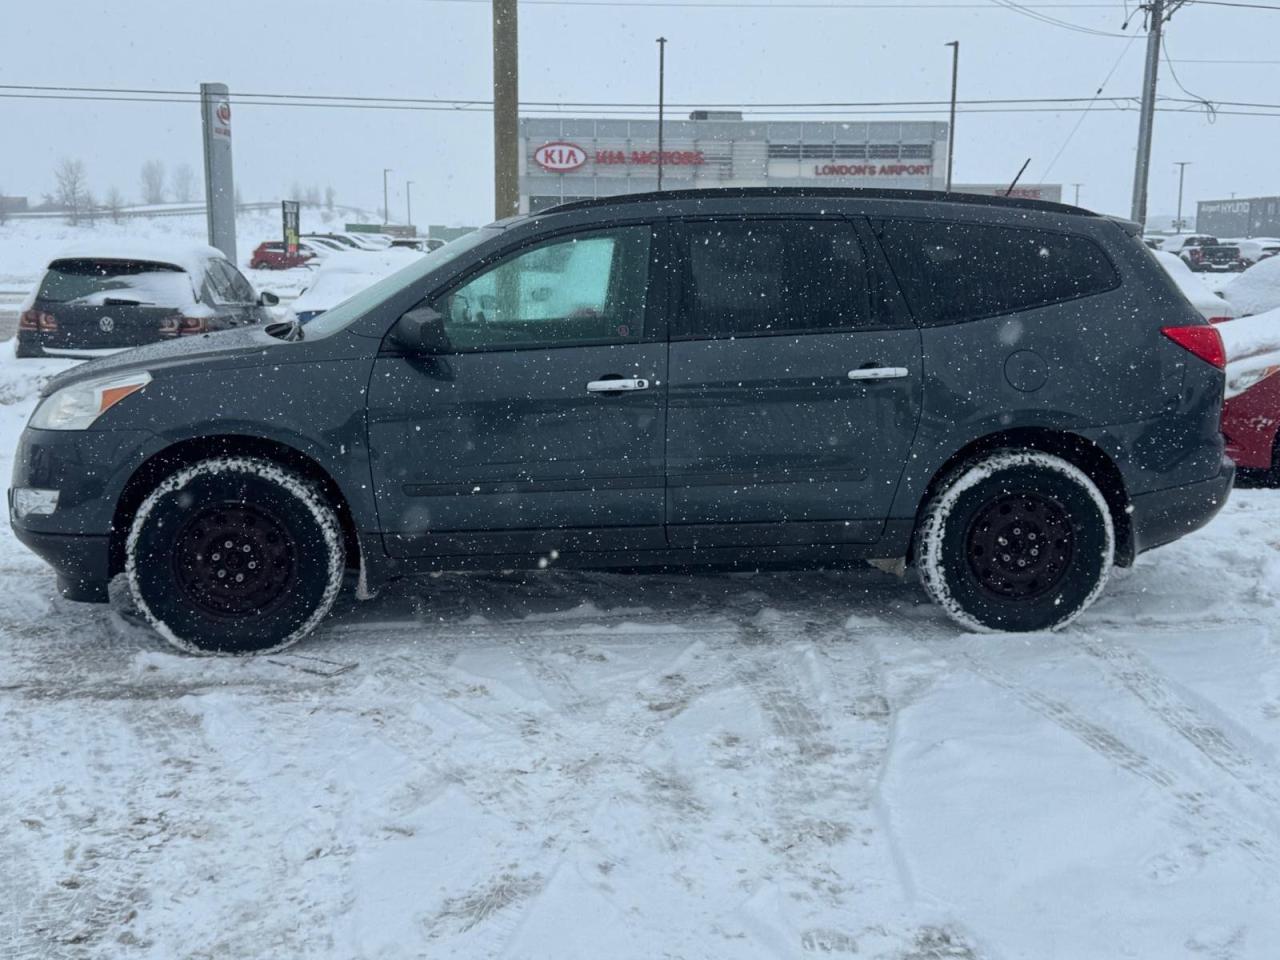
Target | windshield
(361,303)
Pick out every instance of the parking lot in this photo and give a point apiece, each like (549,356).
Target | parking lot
(586,765)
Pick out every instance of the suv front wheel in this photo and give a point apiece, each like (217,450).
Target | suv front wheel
(235,555)
(1018,540)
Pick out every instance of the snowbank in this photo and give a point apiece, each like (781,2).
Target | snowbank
(1257,290)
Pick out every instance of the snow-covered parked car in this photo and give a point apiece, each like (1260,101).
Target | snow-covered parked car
(1212,307)
(99,299)
(343,275)
(1257,290)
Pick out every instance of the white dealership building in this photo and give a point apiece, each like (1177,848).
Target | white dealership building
(565,159)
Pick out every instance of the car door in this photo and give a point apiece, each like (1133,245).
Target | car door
(542,427)
(794,384)
(221,295)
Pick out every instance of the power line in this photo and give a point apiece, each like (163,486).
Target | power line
(1242,6)
(1117,104)
(192,96)
(782,4)
(1026,11)
(1074,130)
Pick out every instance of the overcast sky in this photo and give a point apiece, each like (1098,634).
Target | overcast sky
(843,50)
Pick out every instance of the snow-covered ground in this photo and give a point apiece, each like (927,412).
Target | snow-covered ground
(567,765)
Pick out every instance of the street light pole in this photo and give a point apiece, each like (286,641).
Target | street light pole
(1077,186)
(1182,174)
(408,202)
(951,128)
(386,210)
(662,73)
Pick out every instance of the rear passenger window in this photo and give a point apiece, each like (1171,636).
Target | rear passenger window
(749,277)
(951,272)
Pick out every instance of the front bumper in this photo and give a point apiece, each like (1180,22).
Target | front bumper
(1163,516)
(82,563)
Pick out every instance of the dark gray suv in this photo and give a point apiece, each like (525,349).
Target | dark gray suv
(1011,395)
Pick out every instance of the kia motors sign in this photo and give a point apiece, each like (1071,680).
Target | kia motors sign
(560,157)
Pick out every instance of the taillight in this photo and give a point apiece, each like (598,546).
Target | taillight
(1220,319)
(1204,341)
(180,326)
(37,321)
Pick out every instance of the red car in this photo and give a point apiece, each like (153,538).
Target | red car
(273,256)
(1250,421)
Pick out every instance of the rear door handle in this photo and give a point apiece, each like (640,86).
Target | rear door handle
(878,373)
(617,386)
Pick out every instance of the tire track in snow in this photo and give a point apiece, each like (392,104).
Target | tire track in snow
(1175,709)
(1220,827)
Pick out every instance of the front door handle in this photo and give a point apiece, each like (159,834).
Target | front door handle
(878,373)
(618,385)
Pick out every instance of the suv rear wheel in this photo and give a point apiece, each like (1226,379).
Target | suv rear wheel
(235,555)
(1019,540)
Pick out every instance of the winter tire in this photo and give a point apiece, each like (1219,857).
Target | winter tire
(1019,540)
(234,556)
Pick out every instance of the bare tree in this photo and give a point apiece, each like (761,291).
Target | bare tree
(328,198)
(72,190)
(114,204)
(312,196)
(4,209)
(295,191)
(153,182)
(239,199)
(184,183)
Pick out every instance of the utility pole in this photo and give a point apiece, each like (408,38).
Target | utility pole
(951,128)
(408,202)
(506,109)
(386,210)
(1077,186)
(662,77)
(1158,11)
(1182,174)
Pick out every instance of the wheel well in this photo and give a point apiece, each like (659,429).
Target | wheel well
(1073,448)
(186,452)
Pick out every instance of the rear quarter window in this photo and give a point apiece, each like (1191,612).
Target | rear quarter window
(952,272)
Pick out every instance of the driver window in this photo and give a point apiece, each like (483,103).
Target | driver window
(587,288)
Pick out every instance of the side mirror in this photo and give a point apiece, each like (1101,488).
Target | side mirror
(421,330)
(268,299)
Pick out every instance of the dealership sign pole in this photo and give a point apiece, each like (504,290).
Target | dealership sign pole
(291,218)
(219,182)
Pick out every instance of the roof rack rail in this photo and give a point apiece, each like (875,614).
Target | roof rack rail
(819,193)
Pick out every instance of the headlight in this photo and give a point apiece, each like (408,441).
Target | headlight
(76,407)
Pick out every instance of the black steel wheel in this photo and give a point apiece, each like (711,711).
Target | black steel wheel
(1020,545)
(235,555)
(1018,540)
(233,560)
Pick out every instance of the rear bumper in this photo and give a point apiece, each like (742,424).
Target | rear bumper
(1163,516)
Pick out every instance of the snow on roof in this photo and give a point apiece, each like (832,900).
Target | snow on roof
(191,257)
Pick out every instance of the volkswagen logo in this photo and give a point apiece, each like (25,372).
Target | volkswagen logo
(106,324)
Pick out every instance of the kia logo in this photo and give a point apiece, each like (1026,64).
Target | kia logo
(224,113)
(560,157)
(106,324)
